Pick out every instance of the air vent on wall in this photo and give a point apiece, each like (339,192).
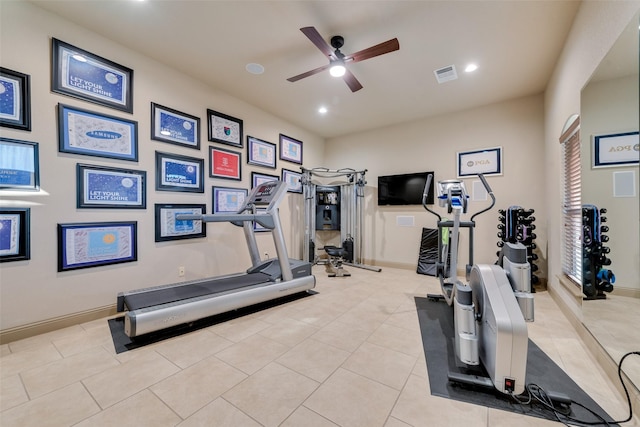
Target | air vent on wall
(446,73)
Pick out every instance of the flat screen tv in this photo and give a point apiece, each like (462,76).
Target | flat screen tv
(405,189)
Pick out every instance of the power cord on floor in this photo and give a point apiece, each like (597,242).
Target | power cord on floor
(560,404)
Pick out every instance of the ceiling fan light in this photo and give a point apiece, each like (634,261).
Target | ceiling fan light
(337,70)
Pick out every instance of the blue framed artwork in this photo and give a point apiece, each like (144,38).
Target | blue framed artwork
(85,245)
(19,165)
(261,153)
(179,173)
(293,180)
(260,178)
(227,199)
(92,134)
(168,227)
(290,149)
(174,127)
(15,99)
(83,75)
(105,187)
(487,161)
(618,149)
(15,224)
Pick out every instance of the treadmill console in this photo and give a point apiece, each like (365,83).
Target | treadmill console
(264,193)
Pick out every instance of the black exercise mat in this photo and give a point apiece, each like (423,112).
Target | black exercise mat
(124,343)
(437,328)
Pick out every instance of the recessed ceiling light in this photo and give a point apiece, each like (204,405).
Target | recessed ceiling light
(254,68)
(471,67)
(322,110)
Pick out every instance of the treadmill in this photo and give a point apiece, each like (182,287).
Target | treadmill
(152,309)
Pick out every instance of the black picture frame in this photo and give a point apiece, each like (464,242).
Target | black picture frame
(15,99)
(290,149)
(19,165)
(227,199)
(258,178)
(261,153)
(108,187)
(225,164)
(167,227)
(224,128)
(174,127)
(293,180)
(81,74)
(179,173)
(15,234)
(96,244)
(89,133)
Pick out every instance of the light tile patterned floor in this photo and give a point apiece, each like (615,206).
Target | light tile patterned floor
(349,356)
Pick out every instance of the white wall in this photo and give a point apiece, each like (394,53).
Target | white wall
(33,290)
(431,145)
(596,27)
(609,107)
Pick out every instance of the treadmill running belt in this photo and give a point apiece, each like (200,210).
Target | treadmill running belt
(206,287)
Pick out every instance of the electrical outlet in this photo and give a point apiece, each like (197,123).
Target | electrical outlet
(266,255)
(181,271)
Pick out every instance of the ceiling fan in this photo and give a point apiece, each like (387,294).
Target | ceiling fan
(337,59)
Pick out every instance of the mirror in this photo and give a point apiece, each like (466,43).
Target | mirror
(609,106)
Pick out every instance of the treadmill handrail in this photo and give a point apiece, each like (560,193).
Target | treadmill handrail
(265,220)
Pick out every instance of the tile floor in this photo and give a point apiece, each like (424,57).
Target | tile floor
(349,356)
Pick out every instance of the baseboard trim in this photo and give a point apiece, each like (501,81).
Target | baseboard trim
(626,292)
(49,325)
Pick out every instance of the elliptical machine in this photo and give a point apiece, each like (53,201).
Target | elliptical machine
(490,312)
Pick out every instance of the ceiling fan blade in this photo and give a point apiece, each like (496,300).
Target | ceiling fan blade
(308,73)
(377,50)
(351,81)
(315,37)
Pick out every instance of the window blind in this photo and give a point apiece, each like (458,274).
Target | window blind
(572,204)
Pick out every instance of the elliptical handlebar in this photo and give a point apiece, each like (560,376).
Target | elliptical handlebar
(425,195)
(493,198)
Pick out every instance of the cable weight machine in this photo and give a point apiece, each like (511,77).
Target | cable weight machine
(335,205)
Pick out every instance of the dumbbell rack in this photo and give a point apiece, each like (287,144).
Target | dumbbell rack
(596,280)
(516,225)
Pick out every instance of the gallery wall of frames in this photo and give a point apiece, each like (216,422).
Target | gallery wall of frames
(138,160)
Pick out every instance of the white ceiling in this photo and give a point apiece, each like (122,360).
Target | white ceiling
(514,43)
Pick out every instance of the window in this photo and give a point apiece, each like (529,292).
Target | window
(571,201)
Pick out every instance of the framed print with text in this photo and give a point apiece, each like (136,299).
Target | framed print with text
(618,149)
(106,187)
(228,200)
(93,134)
(19,165)
(179,173)
(15,99)
(81,74)
(293,180)
(225,164)
(261,153)
(261,178)
(487,162)
(224,129)
(290,149)
(174,127)
(15,239)
(85,245)
(168,227)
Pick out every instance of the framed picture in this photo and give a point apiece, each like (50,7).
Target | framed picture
(93,134)
(179,173)
(260,178)
(290,149)
(80,74)
(261,153)
(15,99)
(224,129)
(486,162)
(19,165)
(225,164)
(174,127)
(227,200)
(618,149)
(15,224)
(170,228)
(105,187)
(293,180)
(85,245)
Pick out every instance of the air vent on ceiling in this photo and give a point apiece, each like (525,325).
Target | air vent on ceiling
(446,73)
